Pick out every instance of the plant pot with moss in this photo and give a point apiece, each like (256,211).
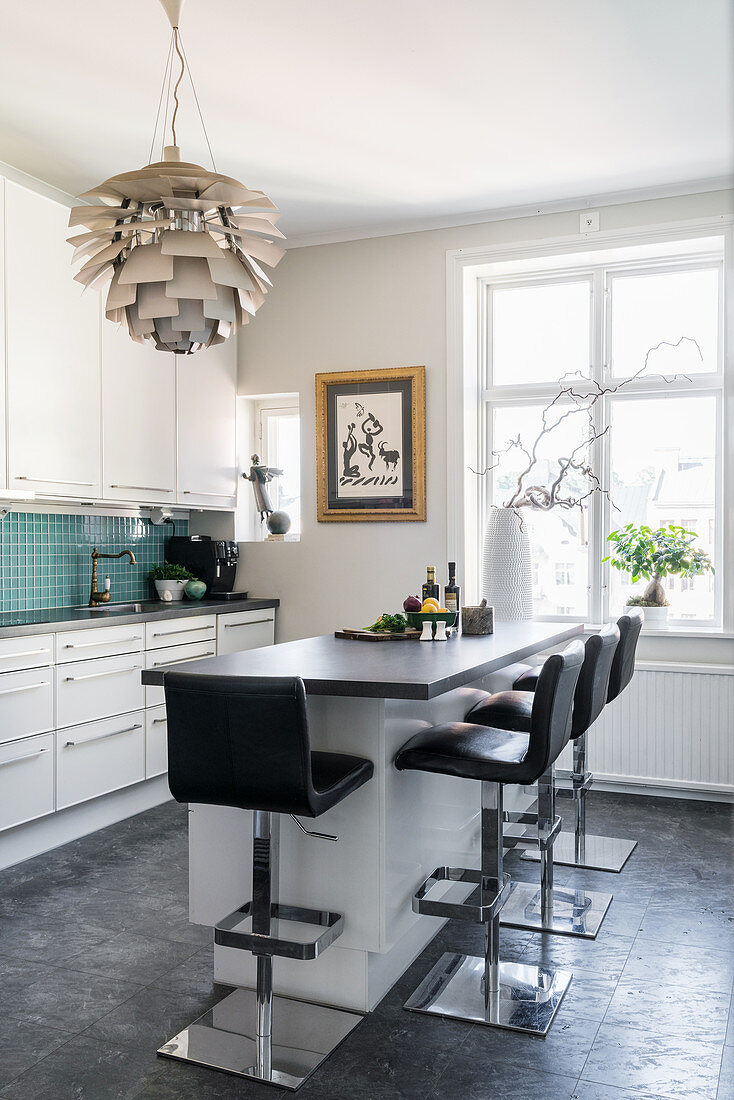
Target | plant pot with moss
(170,581)
(654,555)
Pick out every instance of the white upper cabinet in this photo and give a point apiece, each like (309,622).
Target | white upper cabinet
(139,418)
(206,387)
(53,335)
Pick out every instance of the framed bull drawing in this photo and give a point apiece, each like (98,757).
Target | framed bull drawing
(371,445)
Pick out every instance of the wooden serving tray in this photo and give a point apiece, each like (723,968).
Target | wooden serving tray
(371,636)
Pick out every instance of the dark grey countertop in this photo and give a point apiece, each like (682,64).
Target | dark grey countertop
(68,618)
(385,670)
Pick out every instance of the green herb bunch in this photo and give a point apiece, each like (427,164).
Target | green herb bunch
(394,624)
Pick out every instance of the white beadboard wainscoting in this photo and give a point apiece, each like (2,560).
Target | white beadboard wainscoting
(671,730)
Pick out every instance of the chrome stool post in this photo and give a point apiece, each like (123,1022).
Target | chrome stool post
(486,990)
(550,908)
(579,848)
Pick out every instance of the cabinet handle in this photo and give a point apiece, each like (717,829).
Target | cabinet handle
(95,675)
(25,653)
(250,622)
(201,493)
(102,736)
(186,630)
(143,488)
(26,687)
(183,660)
(87,645)
(50,481)
(26,756)
(157,721)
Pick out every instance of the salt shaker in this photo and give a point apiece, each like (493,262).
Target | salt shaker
(441,631)
(427,635)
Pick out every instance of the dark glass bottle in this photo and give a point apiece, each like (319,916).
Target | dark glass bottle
(430,588)
(452,592)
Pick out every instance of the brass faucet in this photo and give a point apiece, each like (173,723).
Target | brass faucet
(96,597)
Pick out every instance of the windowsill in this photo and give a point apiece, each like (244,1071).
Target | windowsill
(675,631)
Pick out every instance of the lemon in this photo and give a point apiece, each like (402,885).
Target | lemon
(430,605)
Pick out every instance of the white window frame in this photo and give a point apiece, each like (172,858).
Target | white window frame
(469,390)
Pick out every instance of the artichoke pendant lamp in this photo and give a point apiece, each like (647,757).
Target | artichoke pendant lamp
(182,247)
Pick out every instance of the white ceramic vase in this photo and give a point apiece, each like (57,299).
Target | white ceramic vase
(656,617)
(506,572)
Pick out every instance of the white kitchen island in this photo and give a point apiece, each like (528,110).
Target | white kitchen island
(364,698)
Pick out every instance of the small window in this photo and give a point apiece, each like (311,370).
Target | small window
(280,434)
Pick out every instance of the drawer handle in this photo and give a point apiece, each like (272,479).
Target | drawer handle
(143,488)
(157,721)
(26,687)
(186,630)
(95,675)
(50,481)
(183,660)
(25,653)
(26,756)
(250,622)
(88,645)
(200,493)
(102,736)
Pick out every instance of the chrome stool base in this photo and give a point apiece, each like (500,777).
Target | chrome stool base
(225,1039)
(576,912)
(598,853)
(527,999)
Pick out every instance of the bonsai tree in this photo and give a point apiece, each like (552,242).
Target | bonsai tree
(654,555)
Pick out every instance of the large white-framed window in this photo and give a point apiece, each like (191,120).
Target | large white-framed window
(646,323)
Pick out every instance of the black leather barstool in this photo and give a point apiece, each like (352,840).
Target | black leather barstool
(579,849)
(244,742)
(487,990)
(576,911)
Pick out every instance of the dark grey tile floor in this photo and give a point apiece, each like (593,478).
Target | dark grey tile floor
(98,966)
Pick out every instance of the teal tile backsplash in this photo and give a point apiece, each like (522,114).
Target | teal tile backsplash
(45,560)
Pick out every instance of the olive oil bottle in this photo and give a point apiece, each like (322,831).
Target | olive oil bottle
(430,588)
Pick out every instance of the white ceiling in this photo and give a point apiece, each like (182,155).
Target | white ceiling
(359,114)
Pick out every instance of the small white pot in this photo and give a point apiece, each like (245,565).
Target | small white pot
(170,590)
(656,617)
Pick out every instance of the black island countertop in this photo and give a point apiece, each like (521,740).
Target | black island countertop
(385,669)
(69,618)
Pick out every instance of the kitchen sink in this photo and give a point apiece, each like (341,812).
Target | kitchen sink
(115,608)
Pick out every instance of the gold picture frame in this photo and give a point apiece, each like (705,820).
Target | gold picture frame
(371,446)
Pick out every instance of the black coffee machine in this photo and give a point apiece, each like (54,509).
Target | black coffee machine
(213,561)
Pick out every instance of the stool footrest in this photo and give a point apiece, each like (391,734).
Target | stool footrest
(479,914)
(532,839)
(228,934)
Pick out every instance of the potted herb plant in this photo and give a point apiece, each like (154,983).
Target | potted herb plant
(653,555)
(170,580)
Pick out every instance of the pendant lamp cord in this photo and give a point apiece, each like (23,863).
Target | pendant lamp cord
(160,100)
(177,48)
(176,45)
(198,107)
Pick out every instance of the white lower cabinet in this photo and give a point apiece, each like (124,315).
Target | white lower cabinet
(99,757)
(245,630)
(26,779)
(32,651)
(26,702)
(156,742)
(87,690)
